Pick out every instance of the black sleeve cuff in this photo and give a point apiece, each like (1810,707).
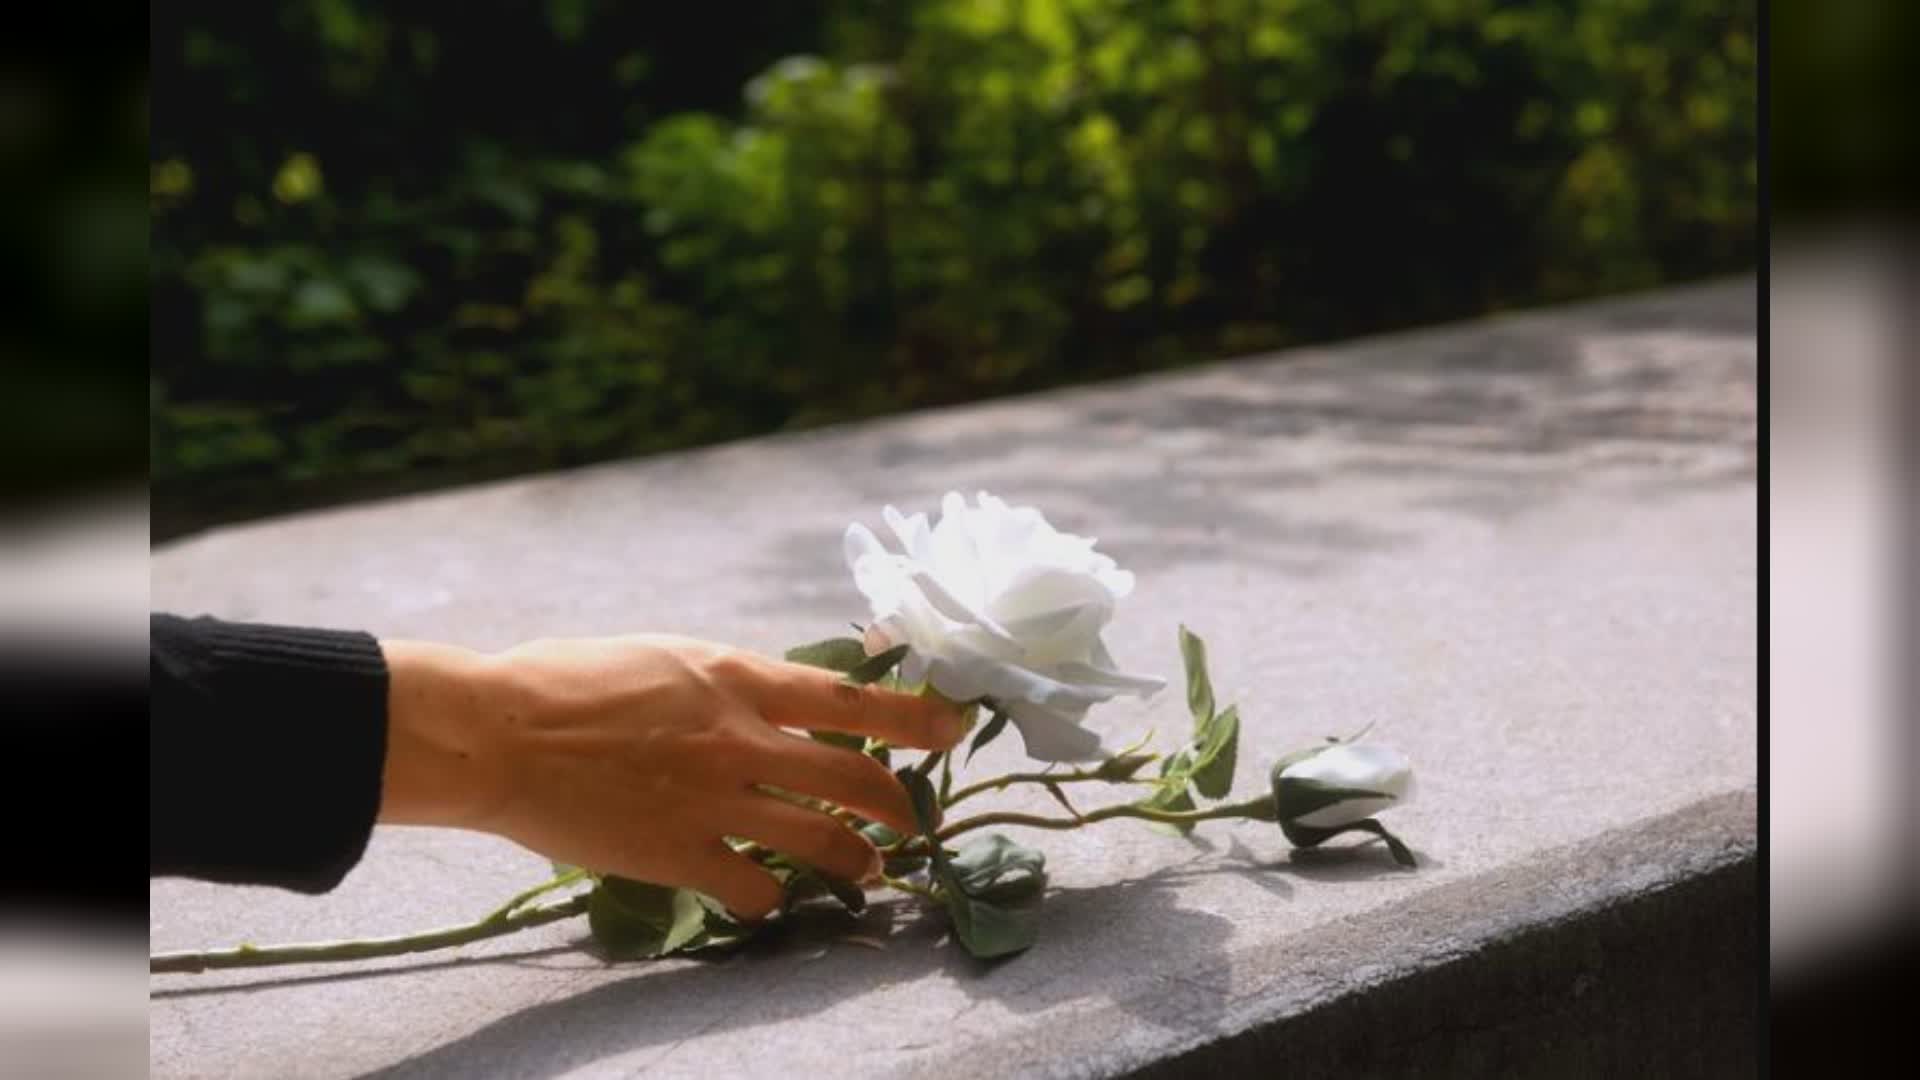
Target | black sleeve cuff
(266,746)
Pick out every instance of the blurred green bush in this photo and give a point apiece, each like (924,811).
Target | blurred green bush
(391,251)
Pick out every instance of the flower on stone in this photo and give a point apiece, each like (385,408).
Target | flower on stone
(1341,785)
(995,603)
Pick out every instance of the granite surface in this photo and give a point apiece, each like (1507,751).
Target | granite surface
(1524,548)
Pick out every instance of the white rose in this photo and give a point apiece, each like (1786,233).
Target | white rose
(994,602)
(1357,768)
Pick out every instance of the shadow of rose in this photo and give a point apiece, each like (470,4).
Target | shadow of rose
(1136,943)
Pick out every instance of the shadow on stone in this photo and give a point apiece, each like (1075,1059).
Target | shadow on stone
(1088,937)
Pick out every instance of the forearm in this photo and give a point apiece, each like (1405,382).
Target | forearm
(446,710)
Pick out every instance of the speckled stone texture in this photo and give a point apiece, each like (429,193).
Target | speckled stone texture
(1524,548)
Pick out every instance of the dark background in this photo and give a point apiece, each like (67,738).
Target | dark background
(397,246)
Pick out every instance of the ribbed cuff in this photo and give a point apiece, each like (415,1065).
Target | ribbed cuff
(273,756)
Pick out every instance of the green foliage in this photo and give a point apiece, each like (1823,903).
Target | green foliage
(833,654)
(378,264)
(988,929)
(876,667)
(996,723)
(1193,657)
(1215,754)
(1206,764)
(633,919)
(995,869)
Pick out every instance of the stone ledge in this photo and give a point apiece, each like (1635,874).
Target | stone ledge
(1526,547)
(1634,953)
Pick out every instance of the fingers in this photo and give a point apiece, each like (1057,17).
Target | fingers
(810,838)
(795,695)
(843,777)
(741,884)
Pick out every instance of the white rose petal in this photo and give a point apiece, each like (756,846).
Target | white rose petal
(1364,767)
(995,602)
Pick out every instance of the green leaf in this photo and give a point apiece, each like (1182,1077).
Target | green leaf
(855,743)
(1176,773)
(1173,797)
(1193,652)
(995,869)
(802,882)
(721,929)
(1123,766)
(635,918)
(990,731)
(834,654)
(986,930)
(851,896)
(876,667)
(1217,753)
(896,865)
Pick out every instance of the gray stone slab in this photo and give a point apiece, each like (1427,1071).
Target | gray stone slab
(1525,548)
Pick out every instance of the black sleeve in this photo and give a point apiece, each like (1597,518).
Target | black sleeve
(266,748)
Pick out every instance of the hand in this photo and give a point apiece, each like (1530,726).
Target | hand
(636,756)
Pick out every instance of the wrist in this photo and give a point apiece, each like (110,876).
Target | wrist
(443,766)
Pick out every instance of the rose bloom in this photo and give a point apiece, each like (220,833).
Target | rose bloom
(996,603)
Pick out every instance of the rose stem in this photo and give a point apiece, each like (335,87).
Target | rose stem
(331,952)
(999,783)
(1260,809)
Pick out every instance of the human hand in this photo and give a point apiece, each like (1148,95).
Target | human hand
(638,755)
